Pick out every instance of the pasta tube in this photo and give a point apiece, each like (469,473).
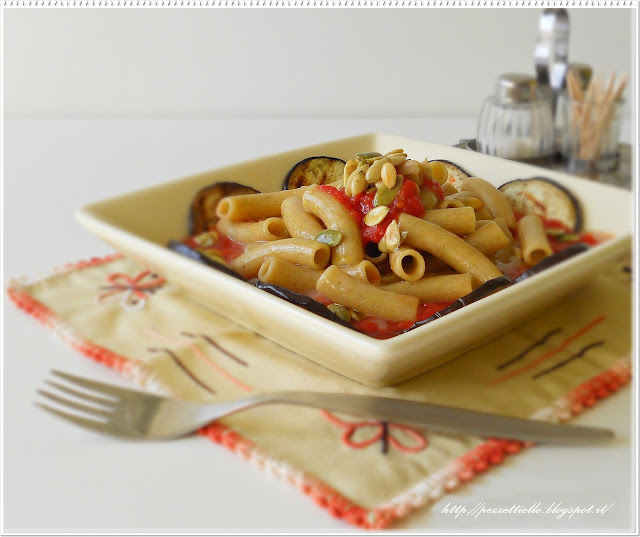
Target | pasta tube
(407,264)
(365,271)
(495,203)
(298,221)
(460,221)
(255,206)
(334,215)
(435,288)
(450,248)
(295,277)
(450,203)
(269,229)
(488,239)
(344,289)
(533,239)
(312,254)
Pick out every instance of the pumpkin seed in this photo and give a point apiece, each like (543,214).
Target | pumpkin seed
(355,315)
(388,175)
(205,239)
(214,255)
(392,236)
(374,171)
(330,237)
(385,196)
(397,158)
(426,168)
(358,184)
(370,154)
(349,168)
(341,311)
(555,231)
(428,198)
(570,237)
(376,215)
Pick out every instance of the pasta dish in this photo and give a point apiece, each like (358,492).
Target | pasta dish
(383,242)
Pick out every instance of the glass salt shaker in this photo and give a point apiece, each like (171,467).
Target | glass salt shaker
(516,122)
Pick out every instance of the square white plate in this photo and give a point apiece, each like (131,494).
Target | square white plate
(140,224)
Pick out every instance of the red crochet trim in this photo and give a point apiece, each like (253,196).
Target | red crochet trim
(39,311)
(461,470)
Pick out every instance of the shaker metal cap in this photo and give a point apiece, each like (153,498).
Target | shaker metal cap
(516,88)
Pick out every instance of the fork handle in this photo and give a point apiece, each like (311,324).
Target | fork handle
(436,417)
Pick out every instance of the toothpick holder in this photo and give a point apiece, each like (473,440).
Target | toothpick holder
(590,134)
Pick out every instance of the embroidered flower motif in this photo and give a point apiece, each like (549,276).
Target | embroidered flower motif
(135,289)
(380,431)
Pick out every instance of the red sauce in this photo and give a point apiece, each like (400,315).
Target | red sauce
(381,329)
(228,248)
(407,201)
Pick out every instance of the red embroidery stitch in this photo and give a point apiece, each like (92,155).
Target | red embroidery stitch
(382,432)
(205,359)
(135,289)
(607,382)
(551,352)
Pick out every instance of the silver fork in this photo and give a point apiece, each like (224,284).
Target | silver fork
(128,413)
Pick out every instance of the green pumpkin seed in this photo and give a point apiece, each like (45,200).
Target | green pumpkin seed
(214,255)
(370,154)
(341,311)
(204,239)
(330,237)
(428,198)
(570,237)
(555,231)
(385,196)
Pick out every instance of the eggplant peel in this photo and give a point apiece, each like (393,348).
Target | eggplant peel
(482,291)
(314,171)
(546,198)
(299,299)
(553,260)
(186,250)
(456,173)
(202,214)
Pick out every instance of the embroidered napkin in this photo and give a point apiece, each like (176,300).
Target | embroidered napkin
(369,473)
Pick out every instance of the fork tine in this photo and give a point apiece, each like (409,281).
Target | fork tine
(107,389)
(82,395)
(93,425)
(77,406)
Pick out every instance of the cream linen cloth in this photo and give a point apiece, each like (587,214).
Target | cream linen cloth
(367,472)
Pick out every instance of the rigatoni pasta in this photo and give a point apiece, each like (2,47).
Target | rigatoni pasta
(341,287)
(383,247)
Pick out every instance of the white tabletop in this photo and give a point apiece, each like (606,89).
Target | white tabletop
(57,478)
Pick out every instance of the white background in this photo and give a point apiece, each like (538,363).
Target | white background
(326,62)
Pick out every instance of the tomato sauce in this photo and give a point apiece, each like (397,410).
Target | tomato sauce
(226,247)
(407,201)
(382,329)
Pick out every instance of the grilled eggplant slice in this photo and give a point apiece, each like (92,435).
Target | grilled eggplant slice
(456,173)
(192,253)
(314,171)
(482,291)
(299,299)
(202,215)
(553,260)
(546,198)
